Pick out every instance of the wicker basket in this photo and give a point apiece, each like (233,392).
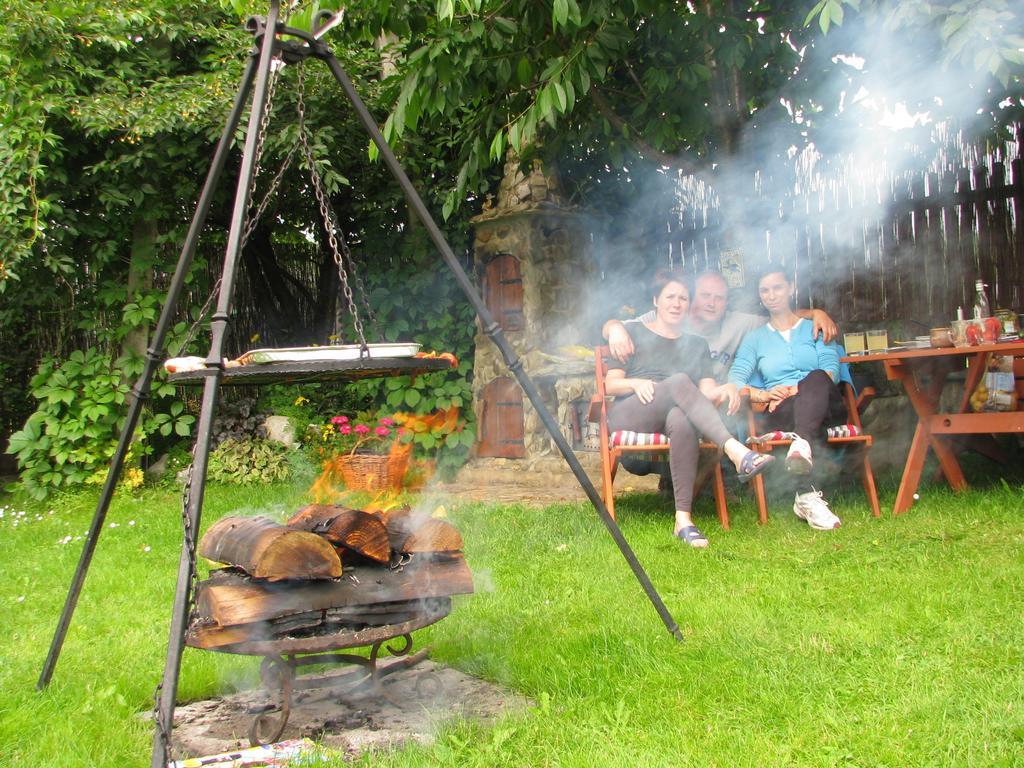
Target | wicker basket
(373,472)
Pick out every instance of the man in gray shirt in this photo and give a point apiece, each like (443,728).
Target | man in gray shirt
(710,318)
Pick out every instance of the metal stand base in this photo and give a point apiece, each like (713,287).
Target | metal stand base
(280,679)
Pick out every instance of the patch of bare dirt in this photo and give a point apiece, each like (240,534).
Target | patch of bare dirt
(412,704)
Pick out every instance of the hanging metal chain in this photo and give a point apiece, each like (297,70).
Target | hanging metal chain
(335,237)
(252,216)
(165,736)
(361,290)
(190,541)
(190,549)
(191,332)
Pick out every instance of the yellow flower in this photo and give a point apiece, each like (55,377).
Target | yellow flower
(133,477)
(300,400)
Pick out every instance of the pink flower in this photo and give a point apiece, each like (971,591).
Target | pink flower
(345,429)
(362,429)
(387,422)
(339,419)
(382,431)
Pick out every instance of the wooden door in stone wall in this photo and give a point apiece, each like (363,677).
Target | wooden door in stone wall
(503,292)
(501,421)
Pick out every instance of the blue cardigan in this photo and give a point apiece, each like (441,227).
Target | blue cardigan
(764,351)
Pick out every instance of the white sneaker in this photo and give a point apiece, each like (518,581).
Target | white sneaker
(813,508)
(798,460)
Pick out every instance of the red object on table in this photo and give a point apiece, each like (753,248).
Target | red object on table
(923,373)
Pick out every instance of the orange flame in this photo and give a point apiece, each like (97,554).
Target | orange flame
(445,421)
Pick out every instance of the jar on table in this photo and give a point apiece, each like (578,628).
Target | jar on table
(1010,323)
(941,337)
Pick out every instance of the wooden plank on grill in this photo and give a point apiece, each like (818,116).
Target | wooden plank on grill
(267,550)
(230,598)
(350,528)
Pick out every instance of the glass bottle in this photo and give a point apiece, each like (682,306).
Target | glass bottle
(981,307)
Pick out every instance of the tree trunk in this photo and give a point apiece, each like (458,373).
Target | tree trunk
(140,276)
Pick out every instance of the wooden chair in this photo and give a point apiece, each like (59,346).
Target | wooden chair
(854,405)
(615,445)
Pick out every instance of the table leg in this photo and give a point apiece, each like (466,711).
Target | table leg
(912,470)
(986,445)
(976,367)
(925,401)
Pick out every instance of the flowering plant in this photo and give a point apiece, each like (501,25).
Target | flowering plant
(341,435)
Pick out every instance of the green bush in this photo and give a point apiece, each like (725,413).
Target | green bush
(72,435)
(249,461)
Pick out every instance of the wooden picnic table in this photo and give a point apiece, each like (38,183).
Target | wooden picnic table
(923,373)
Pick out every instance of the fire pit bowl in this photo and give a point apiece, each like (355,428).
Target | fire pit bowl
(283,656)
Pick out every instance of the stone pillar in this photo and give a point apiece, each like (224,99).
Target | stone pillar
(532,262)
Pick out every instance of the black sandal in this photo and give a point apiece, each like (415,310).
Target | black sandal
(691,535)
(753,464)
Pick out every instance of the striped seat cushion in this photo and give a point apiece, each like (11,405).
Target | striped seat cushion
(840,430)
(629,437)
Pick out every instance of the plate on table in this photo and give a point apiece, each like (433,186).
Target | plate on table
(320,354)
(912,344)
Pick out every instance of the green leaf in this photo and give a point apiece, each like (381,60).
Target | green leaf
(513,136)
(497,149)
(506,25)
(412,397)
(544,102)
(818,7)
(560,13)
(836,12)
(524,71)
(560,96)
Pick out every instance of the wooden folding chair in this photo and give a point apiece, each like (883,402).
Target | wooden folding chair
(854,404)
(615,445)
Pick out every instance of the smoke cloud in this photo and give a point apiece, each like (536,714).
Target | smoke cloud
(812,187)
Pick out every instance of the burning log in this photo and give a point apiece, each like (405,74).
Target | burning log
(409,531)
(353,529)
(266,550)
(229,599)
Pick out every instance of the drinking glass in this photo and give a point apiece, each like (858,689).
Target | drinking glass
(878,340)
(854,342)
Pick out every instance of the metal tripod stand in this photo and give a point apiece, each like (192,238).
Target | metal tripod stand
(272,39)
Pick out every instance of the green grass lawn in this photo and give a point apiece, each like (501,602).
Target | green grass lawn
(889,642)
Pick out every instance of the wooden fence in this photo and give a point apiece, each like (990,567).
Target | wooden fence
(906,247)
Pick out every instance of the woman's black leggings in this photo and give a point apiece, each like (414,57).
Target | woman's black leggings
(680,411)
(816,406)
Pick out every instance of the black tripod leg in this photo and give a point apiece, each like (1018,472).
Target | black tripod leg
(493,330)
(204,429)
(140,392)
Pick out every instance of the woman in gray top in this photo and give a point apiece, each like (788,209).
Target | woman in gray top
(667,386)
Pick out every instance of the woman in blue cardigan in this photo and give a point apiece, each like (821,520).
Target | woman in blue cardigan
(799,374)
